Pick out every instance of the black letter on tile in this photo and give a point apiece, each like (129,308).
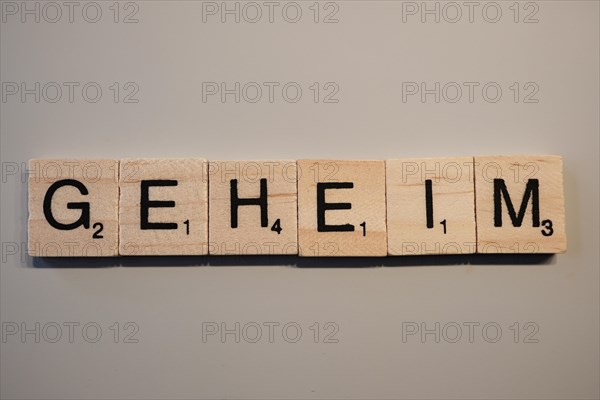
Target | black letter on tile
(146,203)
(322,206)
(531,190)
(259,201)
(84,219)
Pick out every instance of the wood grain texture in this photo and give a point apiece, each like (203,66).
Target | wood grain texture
(413,206)
(190,196)
(99,178)
(366,198)
(248,178)
(430,206)
(520,178)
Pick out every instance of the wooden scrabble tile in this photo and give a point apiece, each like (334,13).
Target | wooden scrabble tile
(520,204)
(341,208)
(430,206)
(73,208)
(163,207)
(253,207)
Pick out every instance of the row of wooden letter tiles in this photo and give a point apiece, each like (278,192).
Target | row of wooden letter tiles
(416,206)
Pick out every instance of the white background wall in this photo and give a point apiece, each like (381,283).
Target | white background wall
(167,55)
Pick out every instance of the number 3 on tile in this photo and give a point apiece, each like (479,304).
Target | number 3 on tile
(548,229)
